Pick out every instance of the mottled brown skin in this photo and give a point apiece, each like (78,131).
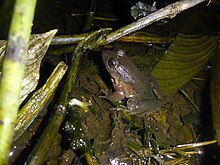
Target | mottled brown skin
(130,83)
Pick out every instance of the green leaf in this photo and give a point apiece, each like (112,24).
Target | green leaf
(183,59)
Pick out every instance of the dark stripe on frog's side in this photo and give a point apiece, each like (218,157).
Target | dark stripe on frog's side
(155,86)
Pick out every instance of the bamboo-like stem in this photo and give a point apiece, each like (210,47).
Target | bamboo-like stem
(39,153)
(13,71)
(89,21)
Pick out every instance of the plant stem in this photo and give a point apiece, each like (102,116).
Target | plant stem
(13,71)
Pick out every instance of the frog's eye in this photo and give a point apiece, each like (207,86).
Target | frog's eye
(112,63)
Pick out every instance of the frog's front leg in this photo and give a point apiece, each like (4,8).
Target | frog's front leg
(119,92)
(115,96)
(136,107)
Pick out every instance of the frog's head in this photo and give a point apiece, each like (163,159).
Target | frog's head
(114,62)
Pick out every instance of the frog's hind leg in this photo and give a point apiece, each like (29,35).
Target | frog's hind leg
(147,106)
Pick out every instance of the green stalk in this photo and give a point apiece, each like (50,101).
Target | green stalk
(13,71)
(89,21)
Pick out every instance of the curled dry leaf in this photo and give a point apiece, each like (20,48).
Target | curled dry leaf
(38,45)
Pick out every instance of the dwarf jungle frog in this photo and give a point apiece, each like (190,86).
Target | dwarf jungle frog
(140,90)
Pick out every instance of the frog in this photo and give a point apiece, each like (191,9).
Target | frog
(141,91)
